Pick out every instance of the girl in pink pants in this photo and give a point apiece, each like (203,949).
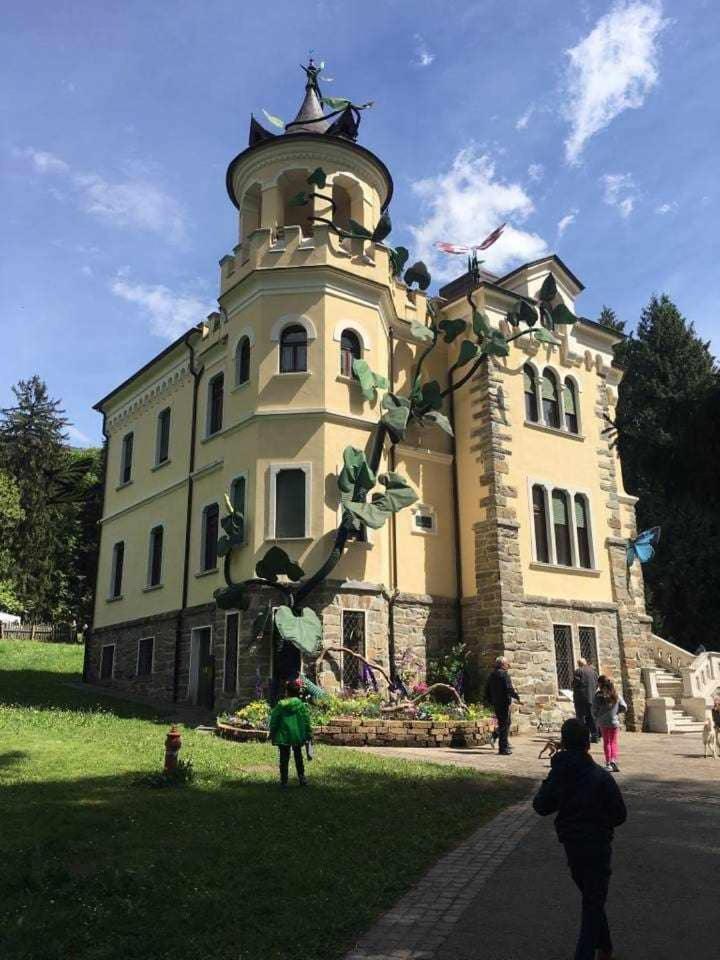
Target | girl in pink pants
(606,709)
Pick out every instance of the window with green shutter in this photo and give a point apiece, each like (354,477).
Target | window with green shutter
(531,400)
(561,525)
(570,406)
(550,400)
(542,552)
(583,531)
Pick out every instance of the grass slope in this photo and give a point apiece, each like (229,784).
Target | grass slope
(95,866)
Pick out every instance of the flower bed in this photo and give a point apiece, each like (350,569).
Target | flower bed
(362,731)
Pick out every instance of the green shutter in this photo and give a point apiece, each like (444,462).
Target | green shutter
(528,380)
(549,388)
(580,513)
(569,398)
(559,509)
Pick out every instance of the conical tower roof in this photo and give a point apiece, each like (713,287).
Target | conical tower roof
(310,118)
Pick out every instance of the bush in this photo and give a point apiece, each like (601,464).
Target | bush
(181,776)
(254,715)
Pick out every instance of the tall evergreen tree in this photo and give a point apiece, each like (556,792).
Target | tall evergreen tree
(667,421)
(608,318)
(33,451)
(11,514)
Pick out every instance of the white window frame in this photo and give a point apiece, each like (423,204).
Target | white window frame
(238,614)
(152,659)
(208,405)
(273,470)
(548,487)
(148,585)
(203,527)
(158,461)
(102,649)
(561,406)
(359,331)
(193,676)
(242,475)
(425,510)
(113,568)
(343,611)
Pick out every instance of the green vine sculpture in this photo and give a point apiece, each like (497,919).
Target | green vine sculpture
(369,498)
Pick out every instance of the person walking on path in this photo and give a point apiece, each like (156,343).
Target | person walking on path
(589,807)
(606,709)
(585,682)
(290,728)
(716,714)
(499,692)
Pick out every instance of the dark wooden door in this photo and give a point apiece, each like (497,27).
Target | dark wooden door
(206,671)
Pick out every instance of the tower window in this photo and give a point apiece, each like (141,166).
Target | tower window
(542,553)
(242,361)
(163,436)
(126,458)
(531,400)
(155,558)
(561,524)
(570,406)
(349,350)
(215,404)
(293,350)
(290,505)
(208,555)
(116,575)
(583,531)
(550,399)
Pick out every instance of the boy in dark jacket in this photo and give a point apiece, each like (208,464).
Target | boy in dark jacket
(290,728)
(589,806)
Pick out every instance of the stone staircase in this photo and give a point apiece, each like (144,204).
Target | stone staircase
(679,688)
(670,687)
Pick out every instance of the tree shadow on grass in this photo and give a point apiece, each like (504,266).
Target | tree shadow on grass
(101,867)
(53,690)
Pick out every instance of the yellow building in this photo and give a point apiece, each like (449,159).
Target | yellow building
(516,544)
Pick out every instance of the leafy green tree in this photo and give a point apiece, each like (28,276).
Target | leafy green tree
(83,520)
(608,318)
(668,429)
(11,514)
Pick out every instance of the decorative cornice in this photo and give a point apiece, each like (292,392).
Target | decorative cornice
(160,388)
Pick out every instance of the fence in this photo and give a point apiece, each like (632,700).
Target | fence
(45,632)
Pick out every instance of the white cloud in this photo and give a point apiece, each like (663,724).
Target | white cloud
(423,57)
(170,314)
(536,171)
(565,222)
(463,205)
(664,208)
(78,437)
(612,69)
(522,122)
(619,192)
(42,161)
(134,202)
(86,270)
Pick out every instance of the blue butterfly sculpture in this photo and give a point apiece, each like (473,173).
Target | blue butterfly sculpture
(643,546)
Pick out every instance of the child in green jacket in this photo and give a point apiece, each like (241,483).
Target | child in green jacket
(290,727)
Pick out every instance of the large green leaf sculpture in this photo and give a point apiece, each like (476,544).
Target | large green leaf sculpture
(522,312)
(495,345)
(233,597)
(275,563)
(355,471)
(234,526)
(369,381)
(561,314)
(418,273)
(398,494)
(398,259)
(468,351)
(420,331)
(452,329)
(383,228)
(544,336)
(396,421)
(304,631)
(440,420)
(548,290)
(318,178)
(481,324)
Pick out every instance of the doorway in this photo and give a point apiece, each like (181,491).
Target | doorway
(202,668)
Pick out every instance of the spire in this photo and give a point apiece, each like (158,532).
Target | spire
(310,118)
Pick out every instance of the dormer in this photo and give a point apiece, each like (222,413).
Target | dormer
(527,279)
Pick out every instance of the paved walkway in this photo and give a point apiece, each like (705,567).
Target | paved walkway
(505,894)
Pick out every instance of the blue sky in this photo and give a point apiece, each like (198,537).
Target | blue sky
(591,127)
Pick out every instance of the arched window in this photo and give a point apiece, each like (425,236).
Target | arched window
(542,553)
(550,399)
(349,350)
(530,387)
(570,406)
(293,349)
(561,523)
(242,361)
(215,404)
(582,528)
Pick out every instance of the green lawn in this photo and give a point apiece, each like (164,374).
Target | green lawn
(94,866)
